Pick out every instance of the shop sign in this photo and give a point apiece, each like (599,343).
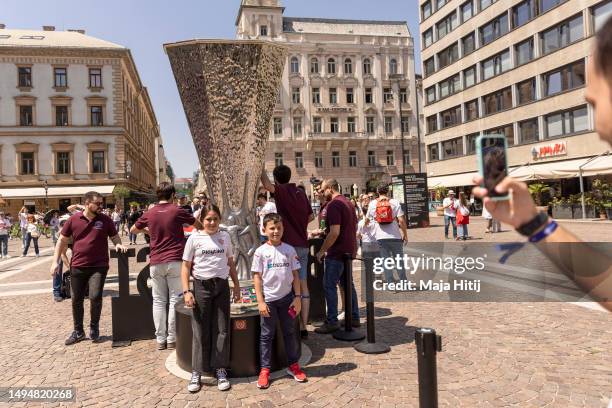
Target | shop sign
(549,150)
(29,202)
(335,110)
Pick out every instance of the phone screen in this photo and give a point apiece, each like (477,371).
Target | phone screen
(494,164)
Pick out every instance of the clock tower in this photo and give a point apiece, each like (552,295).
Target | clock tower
(259,19)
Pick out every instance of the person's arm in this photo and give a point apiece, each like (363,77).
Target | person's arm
(297,299)
(60,248)
(401,220)
(310,218)
(116,240)
(266,183)
(72,208)
(332,236)
(261,302)
(234,276)
(187,295)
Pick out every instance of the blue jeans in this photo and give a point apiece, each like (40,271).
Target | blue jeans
(279,310)
(447,220)
(54,231)
(334,269)
(30,238)
(4,245)
(57,280)
(463,231)
(302,253)
(389,248)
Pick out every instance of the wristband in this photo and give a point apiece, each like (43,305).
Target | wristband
(530,227)
(550,228)
(186,292)
(298,296)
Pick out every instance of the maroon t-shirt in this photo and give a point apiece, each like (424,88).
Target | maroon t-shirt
(340,211)
(292,204)
(89,239)
(165,222)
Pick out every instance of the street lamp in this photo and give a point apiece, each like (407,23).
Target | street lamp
(398,78)
(46,187)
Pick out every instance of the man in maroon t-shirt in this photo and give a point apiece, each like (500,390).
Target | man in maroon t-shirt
(341,240)
(90,231)
(296,212)
(164,224)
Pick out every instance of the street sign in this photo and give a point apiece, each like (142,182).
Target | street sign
(410,190)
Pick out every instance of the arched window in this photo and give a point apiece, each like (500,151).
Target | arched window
(393,66)
(314,66)
(331,66)
(367,66)
(295,65)
(348,66)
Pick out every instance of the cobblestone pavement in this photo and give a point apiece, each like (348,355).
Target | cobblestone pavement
(494,354)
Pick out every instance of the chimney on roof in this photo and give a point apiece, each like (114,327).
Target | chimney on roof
(48,28)
(77,31)
(2,26)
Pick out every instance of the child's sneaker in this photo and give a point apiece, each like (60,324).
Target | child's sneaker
(264,379)
(296,372)
(223,383)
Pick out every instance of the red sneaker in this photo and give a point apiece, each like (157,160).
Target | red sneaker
(296,372)
(264,379)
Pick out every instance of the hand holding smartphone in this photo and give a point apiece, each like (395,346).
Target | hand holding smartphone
(493,163)
(292,312)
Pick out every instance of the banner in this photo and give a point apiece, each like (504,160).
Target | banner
(410,190)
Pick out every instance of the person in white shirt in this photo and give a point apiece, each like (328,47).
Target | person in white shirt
(32,234)
(390,228)
(265,207)
(54,224)
(23,224)
(450,205)
(5,228)
(116,217)
(366,234)
(209,251)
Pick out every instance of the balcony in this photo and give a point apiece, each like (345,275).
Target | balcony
(339,136)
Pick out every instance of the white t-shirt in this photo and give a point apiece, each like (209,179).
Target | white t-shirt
(32,229)
(451,212)
(209,254)
(5,226)
(276,265)
(368,233)
(386,231)
(268,208)
(116,216)
(23,220)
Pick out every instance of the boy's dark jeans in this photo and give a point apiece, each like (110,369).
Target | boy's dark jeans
(80,278)
(57,280)
(279,310)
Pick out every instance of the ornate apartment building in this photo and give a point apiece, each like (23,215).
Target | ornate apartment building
(74,117)
(348,94)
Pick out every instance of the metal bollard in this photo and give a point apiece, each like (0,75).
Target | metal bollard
(348,334)
(428,344)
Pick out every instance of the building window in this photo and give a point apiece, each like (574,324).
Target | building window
(453,147)
(446,25)
(371,158)
(407,161)
(278,126)
(450,117)
(450,85)
(600,14)
(96,116)
(27,163)
(295,95)
(333,96)
(278,159)
(24,77)
(349,95)
(469,77)
(370,125)
(61,116)
(524,51)
(317,126)
(263,30)
(331,66)
(426,10)
(295,65)
(470,142)
(316,95)
(352,158)
(471,110)
(390,158)
(564,79)
(497,101)
(297,126)
(468,43)
(507,131)
(432,152)
(348,66)
(97,162)
(26,117)
(562,35)
(430,66)
(350,124)
(369,96)
(448,56)
(95,77)
(335,159)
(494,29)
(546,5)
(430,94)
(60,77)
(62,165)
(405,124)
(393,66)
(467,10)
(403,95)
(523,13)
(528,131)
(388,125)
(367,66)
(566,123)
(318,159)
(334,126)
(314,66)
(526,91)
(496,65)
(387,95)
(432,123)
(299,160)
(486,3)
(427,38)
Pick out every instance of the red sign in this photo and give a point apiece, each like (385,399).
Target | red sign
(240,324)
(549,150)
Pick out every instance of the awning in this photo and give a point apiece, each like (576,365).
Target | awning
(452,180)
(39,192)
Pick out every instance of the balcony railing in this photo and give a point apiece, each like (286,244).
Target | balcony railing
(340,135)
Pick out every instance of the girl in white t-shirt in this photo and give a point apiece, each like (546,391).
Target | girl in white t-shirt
(209,252)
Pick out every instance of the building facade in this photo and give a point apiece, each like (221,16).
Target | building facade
(74,117)
(344,86)
(511,67)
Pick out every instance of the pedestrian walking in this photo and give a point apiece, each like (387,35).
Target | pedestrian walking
(450,204)
(54,226)
(23,225)
(132,217)
(32,235)
(5,229)
(116,217)
(463,217)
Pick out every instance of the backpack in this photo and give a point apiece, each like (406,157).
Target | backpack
(384,212)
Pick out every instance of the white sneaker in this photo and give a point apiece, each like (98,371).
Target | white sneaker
(194,385)
(8,256)
(341,316)
(223,383)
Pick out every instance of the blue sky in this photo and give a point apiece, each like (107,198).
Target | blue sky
(144,25)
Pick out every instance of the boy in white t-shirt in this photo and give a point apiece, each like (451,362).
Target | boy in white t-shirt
(277,286)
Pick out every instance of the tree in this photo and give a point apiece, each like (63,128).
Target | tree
(536,190)
(121,192)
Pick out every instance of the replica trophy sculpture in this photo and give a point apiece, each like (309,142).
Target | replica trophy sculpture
(228,90)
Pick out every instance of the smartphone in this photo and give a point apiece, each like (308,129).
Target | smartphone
(492,151)
(292,312)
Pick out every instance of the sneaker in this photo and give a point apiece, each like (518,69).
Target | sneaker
(58,298)
(171,345)
(263,381)
(341,316)
(327,328)
(75,337)
(94,334)
(296,372)
(194,385)
(223,383)
(304,334)
(162,346)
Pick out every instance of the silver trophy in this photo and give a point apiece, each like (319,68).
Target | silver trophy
(228,90)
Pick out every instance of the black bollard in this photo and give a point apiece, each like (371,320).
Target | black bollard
(348,334)
(370,346)
(428,344)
